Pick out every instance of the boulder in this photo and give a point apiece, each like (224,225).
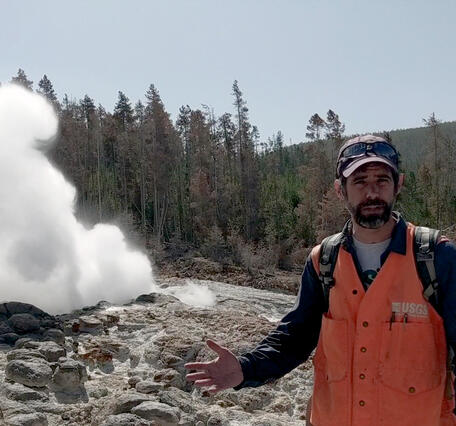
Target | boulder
(51,351)
(69,376)
(24,323)
(158,412)
(90,325)
(19,392)
(148,386)
(127,401)
(125,419)
(35,373)
(33,419)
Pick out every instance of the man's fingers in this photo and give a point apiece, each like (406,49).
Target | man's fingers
(220,350)
(197,365)
(197,376)
(204,383)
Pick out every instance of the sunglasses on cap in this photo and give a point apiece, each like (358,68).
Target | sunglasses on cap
(364,149)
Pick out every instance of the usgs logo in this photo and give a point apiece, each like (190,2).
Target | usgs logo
(415,309)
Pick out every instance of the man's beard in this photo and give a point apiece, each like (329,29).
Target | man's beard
(371,221)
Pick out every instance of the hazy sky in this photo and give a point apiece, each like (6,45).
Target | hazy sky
(379,65)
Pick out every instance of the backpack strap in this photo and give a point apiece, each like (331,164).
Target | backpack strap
(329,251)
(425,241)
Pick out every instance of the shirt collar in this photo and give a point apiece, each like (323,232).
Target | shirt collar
(398,236)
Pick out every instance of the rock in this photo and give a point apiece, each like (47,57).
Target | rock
(158,412)
(69,376)
(178,398)
(130,326)
(5,328)
(170,377)
(55,335)
(21,342)
(98,393)
(90,325)
(19,392)
(147,298)
(125,419)
(35,373)
(34,419)
(132,381)
(24,323)
(27,343)
(52,351)
(24,355)
(148,386)
(127,401)
(9,338)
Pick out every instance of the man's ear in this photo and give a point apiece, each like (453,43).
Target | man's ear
(400,182)
(338,188)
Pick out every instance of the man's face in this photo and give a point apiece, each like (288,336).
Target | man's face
(370,194)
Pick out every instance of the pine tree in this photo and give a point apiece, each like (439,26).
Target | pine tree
(315,127)
(22,80)
(123,112)
(47,90)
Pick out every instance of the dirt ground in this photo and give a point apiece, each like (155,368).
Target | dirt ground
(204,269)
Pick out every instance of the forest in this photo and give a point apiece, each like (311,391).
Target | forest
(209,184)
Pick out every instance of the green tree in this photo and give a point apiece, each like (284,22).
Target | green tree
(22,80)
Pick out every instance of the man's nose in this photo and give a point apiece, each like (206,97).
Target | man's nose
(372,191)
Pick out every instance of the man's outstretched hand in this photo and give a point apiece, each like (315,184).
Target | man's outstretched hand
(221,373)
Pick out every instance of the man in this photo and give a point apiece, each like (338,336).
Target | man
(381,347)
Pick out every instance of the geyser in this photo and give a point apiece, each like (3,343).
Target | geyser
(48,258)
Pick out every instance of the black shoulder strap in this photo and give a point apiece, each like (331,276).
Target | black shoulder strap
(329,250)
(425,241)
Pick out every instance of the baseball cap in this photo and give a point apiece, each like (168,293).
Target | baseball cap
(365,149)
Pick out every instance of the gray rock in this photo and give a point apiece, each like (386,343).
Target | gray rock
(35,373)
(178,398)
(55,335)
(90,325)
(28,343)
(98,393)
(69,376)
(9,338)
(148,386)
(21,342)
(147,298)
(5,328)
(161,413)
(125,419)
(127,401)
(52,351)
(132,381)
(24,355)
(19,392)
(24,323)
(33,419)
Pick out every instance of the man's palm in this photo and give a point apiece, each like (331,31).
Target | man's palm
(221,373)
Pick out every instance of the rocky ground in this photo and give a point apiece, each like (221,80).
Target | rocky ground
(123,365)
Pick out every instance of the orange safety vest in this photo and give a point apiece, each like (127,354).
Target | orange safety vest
(373,367)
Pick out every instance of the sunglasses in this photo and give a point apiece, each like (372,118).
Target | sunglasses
(363,149)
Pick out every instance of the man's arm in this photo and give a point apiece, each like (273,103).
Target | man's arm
(294,339)
(445,268)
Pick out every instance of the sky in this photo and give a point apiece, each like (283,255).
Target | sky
(379,65)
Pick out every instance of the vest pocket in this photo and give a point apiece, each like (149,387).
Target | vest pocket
(331,357)
(331,395)
(412,357)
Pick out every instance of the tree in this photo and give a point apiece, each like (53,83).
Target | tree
(123,112)
(334,132)
(47,90)
(21,79)
(315,127)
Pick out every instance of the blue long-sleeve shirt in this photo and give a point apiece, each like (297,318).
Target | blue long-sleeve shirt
(296,336)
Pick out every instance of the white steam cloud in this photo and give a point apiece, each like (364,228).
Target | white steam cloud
(48,258)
